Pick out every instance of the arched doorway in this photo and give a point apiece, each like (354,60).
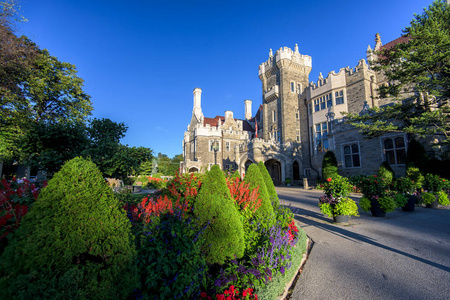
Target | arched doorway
(274,168)
(193,170)
(296,170)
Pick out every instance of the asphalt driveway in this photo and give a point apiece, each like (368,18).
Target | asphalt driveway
(405,255)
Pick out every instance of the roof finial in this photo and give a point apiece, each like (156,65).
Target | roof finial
(270,53)
(296,48)
(378,43)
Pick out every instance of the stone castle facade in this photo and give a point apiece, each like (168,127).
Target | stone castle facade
(297,122)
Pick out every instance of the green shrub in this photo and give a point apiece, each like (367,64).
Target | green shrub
(329,165)
(224,236)
(235,175)
(386,173)
(443,198)
(75,243)
(413,173)
(428,198)
(433,183)
(416,155)
(387,204)
(254,177)
(400,200)
(365,204)
(269,184)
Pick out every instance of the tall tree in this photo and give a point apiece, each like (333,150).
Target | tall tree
(418,72)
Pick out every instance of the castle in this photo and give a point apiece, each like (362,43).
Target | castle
(297,123)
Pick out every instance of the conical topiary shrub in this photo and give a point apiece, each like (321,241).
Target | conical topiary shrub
(75,243)
(329,165)
(255,179)
(386,173)
(224,236)
(269,184)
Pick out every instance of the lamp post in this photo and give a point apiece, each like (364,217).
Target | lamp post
(215,147)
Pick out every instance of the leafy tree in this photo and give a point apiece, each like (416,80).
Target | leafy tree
(49,145)
(418,72)
(75,243)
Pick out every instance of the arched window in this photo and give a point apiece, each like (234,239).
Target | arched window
(296,170)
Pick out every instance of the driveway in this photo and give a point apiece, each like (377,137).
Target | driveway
(405,255)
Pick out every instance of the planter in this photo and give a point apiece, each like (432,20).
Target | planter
(411,203)
(341,219)
(376,210)
(433,204)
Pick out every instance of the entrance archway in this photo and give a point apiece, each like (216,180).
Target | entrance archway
(274,168)
(296,170)
(193,170)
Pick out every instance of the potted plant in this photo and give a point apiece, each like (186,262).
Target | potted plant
(377,198)
(436,187)
(335,202)
(288,181)
(405,196)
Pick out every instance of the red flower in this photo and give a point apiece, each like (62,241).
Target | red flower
(203,295)
(329,179)
(244,293)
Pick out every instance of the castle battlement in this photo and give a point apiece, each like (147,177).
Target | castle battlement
(285,53)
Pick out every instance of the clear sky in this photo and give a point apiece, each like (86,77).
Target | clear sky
(141,59)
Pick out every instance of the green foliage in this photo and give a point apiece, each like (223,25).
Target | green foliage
(254,177)
(373,186)
(179,272)
(386,173)
(387,204)
(428,198)
(404,185)
(417,71)
(345,207)
(235,175)
(326,209)
(329,165)
(415,175)
(224,235)
(443,198)
(433,183)
(365,204)
(337,187)
(400,200)
(74,243)
(269,184)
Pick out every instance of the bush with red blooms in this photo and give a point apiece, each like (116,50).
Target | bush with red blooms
(183,190)
(244,197)
(156,183)
(16,197)
(232,294)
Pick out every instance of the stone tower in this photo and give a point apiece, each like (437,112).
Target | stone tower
(284,76)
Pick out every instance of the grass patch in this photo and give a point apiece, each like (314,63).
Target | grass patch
(276,287)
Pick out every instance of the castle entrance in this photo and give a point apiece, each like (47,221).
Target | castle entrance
(274,168)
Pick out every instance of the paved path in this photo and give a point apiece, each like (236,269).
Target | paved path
(405,255)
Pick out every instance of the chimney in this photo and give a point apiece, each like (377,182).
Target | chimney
(248,109)
(228,115)
(197,111)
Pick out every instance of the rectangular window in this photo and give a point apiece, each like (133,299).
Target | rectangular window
(211,145)
(297,115)
(395,150)
(298,135)
(329,100)
(292,87)
(321,137)
(316,105)
(351,156)
(322,102)
(339,96)
(299,88)
(227,146)
(310,108)
(274,116)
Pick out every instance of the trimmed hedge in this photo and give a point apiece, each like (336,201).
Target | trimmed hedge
(75,243)
(254,177)
(269,184)
(224,236)
(329,165)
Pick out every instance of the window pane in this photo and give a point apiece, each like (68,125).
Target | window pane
(318,127)
(347,150)
(355,148)
(324,126)
(356,162)
(319,146)
(399,142)
(388,144)
(401,156)
(348,161)
(325,144)
(322,105)
(390,157)
(316,108)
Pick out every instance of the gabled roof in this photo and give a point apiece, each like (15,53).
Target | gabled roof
(397,41)
(214,121)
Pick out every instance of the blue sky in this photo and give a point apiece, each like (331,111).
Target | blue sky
(141,59)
